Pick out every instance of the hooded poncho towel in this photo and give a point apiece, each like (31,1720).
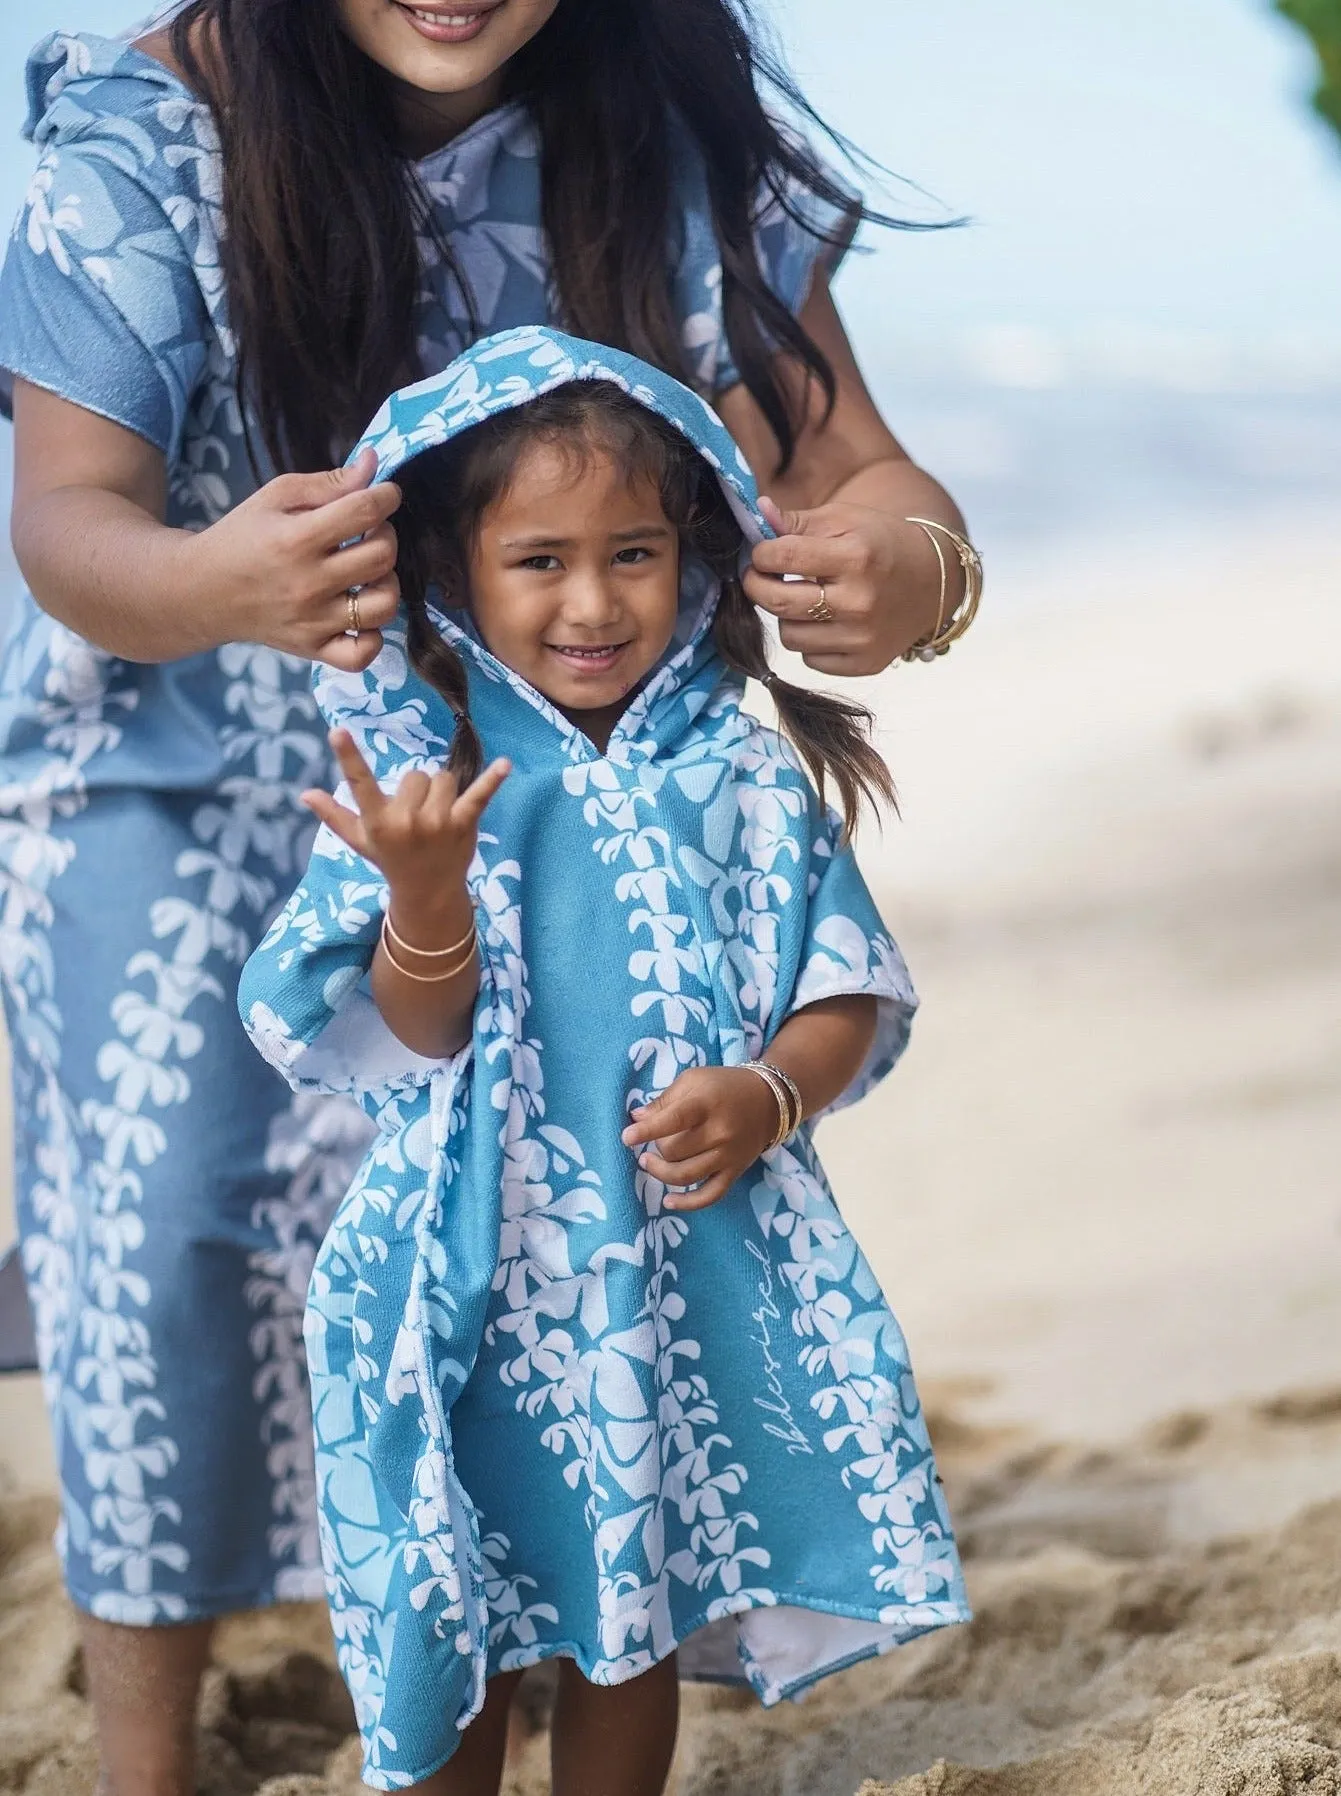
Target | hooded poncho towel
(553,1417)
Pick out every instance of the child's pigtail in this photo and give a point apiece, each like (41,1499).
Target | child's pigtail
(442,668)
(831,735)
(422,556)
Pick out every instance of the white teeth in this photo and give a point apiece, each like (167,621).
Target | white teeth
(455,20)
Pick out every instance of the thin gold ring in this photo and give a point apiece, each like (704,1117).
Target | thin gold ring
(820,612)
(355,622)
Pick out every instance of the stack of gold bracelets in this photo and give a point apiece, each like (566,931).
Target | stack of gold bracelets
(784,1089)
(460,953)
(949,627)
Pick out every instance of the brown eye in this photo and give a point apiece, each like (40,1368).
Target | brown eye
(631,557)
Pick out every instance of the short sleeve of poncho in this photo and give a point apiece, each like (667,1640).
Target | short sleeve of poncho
(331,1037)
(797,235)
(848,952)
(100,301)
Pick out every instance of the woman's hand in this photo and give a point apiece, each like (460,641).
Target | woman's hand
(280,566)
(710,1126)
(878,576)
(840,510)
(90,498)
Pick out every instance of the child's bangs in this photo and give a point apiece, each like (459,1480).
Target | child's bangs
(593,421)
(449,489)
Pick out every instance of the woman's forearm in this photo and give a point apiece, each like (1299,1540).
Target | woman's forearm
(87,524)
(900,489)
(100,564)
(90,500)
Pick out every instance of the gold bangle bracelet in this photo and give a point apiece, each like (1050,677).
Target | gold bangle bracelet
(443,973)
(780,1098)
(793,1091)
(788,1098)
(935,542)
(949,629)
(427,953)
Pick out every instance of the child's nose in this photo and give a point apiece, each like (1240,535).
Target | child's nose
(593,601)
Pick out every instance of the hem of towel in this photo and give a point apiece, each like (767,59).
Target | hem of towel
(524,1660)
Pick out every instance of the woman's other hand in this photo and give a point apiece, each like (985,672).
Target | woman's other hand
(281,566)
(841,510)
(90,499)
(876,575)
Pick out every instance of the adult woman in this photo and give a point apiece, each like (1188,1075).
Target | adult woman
(243,231)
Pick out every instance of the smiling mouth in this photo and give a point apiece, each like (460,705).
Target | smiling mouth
(449,26)
(596,659)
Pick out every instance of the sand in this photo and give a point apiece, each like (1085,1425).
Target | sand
(1103,1197)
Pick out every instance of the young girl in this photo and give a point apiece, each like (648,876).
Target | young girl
(598,1372)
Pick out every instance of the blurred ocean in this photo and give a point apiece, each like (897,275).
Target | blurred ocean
(1035,468)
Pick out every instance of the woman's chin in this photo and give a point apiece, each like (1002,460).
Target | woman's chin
(443,51)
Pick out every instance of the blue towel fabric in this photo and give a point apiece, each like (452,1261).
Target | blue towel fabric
(553,1417)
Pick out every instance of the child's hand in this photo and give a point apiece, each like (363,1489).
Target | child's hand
(710,1126)
(422,838)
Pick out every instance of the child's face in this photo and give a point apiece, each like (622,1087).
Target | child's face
(575,583)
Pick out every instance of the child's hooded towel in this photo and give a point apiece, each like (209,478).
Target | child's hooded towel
(553,1417)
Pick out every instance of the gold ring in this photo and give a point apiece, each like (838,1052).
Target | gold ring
(355,623)
(819,612)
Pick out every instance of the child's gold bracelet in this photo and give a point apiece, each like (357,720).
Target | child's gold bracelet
(791,1109)
(468,942)
(427,953)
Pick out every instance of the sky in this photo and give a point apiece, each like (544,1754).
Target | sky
(1144,164)
(1134,169)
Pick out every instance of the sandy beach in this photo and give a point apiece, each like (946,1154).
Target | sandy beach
(1102,1195)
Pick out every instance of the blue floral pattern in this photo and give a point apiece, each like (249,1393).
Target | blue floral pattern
(552,1416)
(171,1191)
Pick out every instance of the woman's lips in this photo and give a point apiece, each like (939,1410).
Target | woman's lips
(447,26)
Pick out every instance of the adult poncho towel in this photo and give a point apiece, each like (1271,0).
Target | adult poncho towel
(553,1417)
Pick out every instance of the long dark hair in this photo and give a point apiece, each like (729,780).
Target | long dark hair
(325,219)
(447,490)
